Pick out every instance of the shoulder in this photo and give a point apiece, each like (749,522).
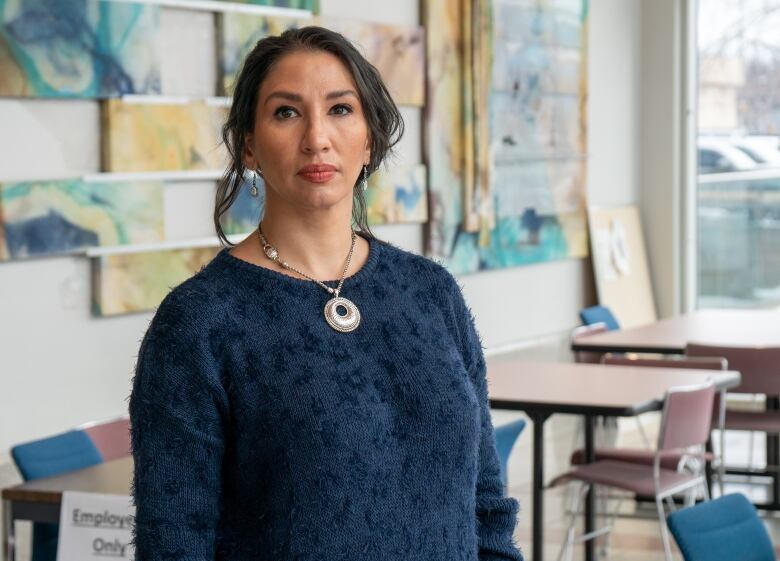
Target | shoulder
(190,309)
(419,267)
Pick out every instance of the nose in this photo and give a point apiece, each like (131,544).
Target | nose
(316,137)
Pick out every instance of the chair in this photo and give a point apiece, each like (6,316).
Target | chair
(111,437)
(506,436)
(599,314)
(47,457)
(760,369)
(685,428)
(671,461)
(723,529)
(588,357)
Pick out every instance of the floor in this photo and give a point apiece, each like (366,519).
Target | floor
(636,534)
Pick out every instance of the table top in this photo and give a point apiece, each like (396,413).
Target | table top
(111,478)
(737,328)
(595,389)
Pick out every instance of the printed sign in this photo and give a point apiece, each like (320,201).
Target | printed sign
(93,525)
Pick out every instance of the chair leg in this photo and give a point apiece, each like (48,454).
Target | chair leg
(565,553)
(659,503)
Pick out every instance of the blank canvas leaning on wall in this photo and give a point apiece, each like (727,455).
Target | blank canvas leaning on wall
(620,264)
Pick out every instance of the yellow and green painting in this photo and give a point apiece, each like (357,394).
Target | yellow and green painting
(396,51)
(398,195)
(135,282)
(78,48)
(42,218)
(511,190)
(147,137)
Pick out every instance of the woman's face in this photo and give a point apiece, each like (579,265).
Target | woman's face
(311,137)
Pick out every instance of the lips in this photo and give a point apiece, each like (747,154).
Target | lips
(318,173)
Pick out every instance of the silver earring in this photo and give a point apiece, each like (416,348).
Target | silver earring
(253,191)
(364,179)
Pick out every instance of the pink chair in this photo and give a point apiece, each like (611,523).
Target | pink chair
(760,369)
(111,437)
(685,429)
(588,357)
(646,456)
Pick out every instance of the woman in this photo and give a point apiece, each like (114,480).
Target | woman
(314,394)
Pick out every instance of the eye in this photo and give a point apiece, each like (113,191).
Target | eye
(284,112)
(342,109)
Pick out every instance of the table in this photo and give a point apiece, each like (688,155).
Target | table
(670,336)
(734,328)
(39,500)
(542,389)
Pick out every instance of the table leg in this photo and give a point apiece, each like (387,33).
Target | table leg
(773,453)
(590,500)
(537,541)
(9,546)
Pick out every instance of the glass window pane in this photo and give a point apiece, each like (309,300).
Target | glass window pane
(738,195)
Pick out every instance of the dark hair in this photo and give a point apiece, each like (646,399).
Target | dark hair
(384,121)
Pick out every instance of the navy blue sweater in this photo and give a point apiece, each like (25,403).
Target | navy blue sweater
(261,433)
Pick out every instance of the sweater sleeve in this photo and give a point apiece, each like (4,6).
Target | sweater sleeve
(177,410)
(495,511)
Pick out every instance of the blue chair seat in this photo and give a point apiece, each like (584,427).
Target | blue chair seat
(47,457)
(725,529)
(506,436)
(596,314)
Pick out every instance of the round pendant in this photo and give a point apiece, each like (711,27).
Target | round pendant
(345,323)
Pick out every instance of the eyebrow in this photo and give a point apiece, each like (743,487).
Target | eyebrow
(290,96)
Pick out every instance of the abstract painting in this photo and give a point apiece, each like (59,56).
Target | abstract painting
(510,190)
(310,5)
(238,34)
(396,51)
(78,48)
(137,282)
(245,213)
(397,196)
(66,216)
(162,136)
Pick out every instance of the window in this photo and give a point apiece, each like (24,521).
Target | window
(738,191)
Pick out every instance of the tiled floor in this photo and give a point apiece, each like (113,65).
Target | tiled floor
(636,534)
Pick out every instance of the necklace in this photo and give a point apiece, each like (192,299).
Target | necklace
(343,323)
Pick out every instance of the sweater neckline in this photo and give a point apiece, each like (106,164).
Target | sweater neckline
(228,258)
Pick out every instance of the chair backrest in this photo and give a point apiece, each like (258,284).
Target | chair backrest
(672,361)
(723,529)
(589,357)
(506,436)
(55,454)
(596,314)
(111,438)
(687,416)
(759,366)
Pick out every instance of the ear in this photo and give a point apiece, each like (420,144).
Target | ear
(250,161)
(367,153)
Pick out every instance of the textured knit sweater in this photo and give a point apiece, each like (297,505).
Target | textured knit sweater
(260,433)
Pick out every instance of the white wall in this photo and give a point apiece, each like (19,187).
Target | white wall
(61,367)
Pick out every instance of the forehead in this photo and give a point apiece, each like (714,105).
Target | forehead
(305,71)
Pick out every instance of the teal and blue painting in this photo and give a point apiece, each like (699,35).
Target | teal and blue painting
(244,214)
(65,216)
(78,48)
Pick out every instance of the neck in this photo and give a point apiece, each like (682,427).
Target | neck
(317,244)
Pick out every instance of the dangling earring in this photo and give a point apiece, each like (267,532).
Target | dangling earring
(253,191)
(364,179)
